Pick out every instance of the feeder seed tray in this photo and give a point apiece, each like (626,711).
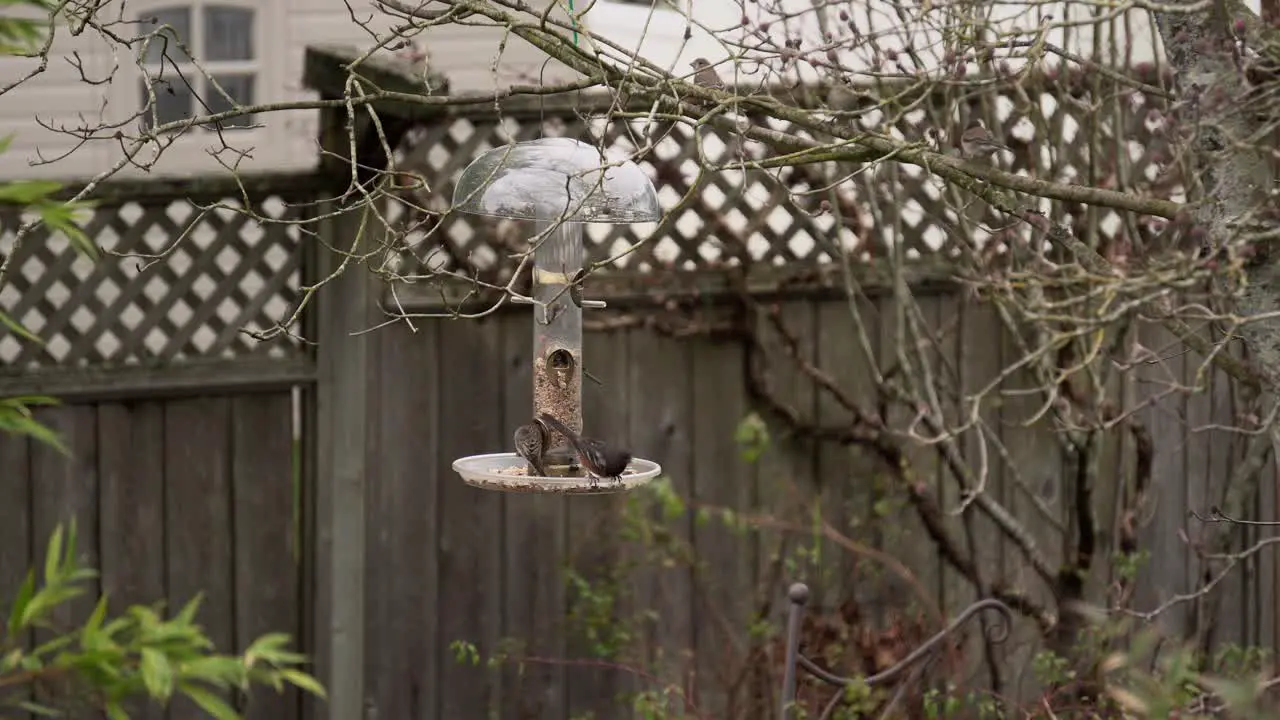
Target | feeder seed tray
(505,472)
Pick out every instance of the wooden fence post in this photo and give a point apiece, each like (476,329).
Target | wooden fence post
(344,370)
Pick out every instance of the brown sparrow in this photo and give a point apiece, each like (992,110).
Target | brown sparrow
(977,141)
(705,75)
(531,442)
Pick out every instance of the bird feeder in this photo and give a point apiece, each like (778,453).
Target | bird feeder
(560,184)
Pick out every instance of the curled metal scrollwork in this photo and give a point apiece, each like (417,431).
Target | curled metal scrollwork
(798,594)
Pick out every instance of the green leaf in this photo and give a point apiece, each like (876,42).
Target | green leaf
(28,192)
(93,626)
(304,681)
(25,592)
(19,329)
(115,712)
(187,615)
(19,421)
(157,674)
(218,670)
(6,141)
(53,553)
(40,710)
(210,703)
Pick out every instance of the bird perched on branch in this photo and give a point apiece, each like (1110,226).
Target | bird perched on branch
(705,74)
(531,442)
(977,141)
(600,460)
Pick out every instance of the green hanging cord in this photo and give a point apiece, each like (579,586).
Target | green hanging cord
(573,20)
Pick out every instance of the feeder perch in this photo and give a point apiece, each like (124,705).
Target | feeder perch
(559,183)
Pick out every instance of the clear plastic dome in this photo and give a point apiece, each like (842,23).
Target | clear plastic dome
(556,177)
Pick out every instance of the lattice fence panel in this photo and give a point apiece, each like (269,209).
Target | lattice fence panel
(177,280)
(774,216)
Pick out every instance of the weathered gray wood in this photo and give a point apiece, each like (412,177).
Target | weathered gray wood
(16,552)
(65,490)
(1228,604)
(15,513)
(403,634)
(978,364)
(632,291)
(1199,493)
(1268,575)
(534,605)
(592,543)
(344,377)
(190,378)
(848,477)
(725,489)
(1033,469)
(199,520)
(307,454)
(131,470)
(902,526)
(787,465)
(662,429)
(1165,572)
(470,542)
(957,591)
(266,569)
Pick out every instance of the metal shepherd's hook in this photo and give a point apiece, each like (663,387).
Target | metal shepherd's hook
(798,594)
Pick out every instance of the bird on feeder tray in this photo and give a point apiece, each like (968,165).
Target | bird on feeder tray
(977,141)
(531,442)
(597,458)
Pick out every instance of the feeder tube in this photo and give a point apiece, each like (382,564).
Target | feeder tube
(557,326)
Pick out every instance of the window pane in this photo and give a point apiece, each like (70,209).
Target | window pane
(173,101)
(240,88)
(228,33)
(163,43)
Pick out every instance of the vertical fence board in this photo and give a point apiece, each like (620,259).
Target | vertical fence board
(1266,591)
(402,605)
(534,592)
(1165,572)
(724,485)
(843,496)
(1199,495)
(593,541)
(18,547)
(1033,469)
(662,429)
(979,364)
(1229,601)
(903,528)
(198,519)
(65,490)
(266,573)
(787,466)
(131,472)
(471,538)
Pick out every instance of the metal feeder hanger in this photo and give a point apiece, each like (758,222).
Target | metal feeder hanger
(559,183)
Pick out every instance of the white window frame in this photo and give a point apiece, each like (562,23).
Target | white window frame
(202,87)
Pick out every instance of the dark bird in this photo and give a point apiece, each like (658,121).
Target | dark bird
(977,141)
(597,458)
(531,443)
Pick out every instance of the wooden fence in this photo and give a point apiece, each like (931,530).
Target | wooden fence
(387,566)
(491,566)
(183,472)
